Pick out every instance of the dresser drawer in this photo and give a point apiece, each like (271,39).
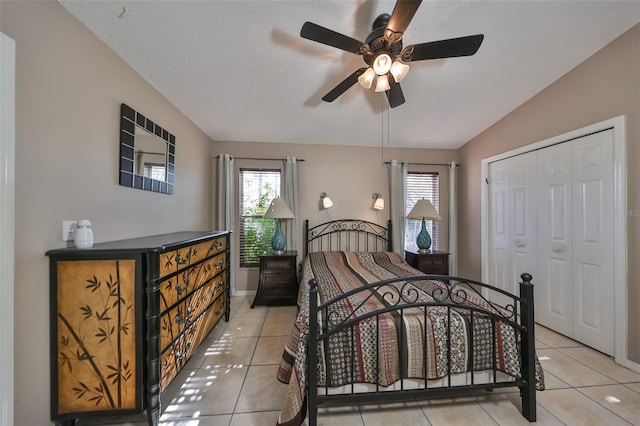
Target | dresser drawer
(179,352)
(175,260)
(178,286)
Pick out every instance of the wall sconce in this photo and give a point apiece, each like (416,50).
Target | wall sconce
(326,201)
(378,204)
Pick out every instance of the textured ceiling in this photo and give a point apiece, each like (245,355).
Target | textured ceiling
(241,72)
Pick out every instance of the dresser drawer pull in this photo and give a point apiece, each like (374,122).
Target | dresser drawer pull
(183,355)
(220,264)
(183,260)
(180,320)
(217,245)
(180,290)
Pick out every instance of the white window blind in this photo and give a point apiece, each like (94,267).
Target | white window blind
(422,185)
(257,188)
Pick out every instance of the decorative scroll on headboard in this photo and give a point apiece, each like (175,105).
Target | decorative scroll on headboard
(347,235)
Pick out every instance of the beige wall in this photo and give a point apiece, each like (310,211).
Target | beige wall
(604,86)
(69,87)
(348,174)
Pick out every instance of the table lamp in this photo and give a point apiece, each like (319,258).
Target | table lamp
(424,210)
(278,210)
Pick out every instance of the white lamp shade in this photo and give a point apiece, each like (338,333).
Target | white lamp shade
(366,78)
(399,71)
(424,210)
(278,209)
(382,84)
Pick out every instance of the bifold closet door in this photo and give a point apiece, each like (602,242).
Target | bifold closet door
(512,227)
(574,288)
(553,289)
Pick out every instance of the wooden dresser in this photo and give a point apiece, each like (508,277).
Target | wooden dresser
(127,315)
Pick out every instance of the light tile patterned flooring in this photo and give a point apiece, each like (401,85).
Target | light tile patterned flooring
(231,381)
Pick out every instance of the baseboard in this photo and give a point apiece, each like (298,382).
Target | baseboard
(634,366)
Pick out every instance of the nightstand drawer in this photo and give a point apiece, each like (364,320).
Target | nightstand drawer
(271,263)
(435,262)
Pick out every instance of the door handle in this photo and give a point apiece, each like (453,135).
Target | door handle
(520,243)
(557,249)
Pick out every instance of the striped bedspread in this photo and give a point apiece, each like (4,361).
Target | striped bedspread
(350,356)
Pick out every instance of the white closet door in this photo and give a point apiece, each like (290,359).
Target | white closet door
(593,241)
(522,194)
(513,228)
(499,226)
(552,284)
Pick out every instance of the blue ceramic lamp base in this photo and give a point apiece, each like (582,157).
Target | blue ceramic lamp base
(278,241)
(424,239)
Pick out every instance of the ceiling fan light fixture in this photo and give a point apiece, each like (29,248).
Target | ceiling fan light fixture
(382,64)
(399,70)
(382,84)
(366,78)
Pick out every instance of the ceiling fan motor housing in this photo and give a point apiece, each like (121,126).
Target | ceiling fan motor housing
(377,43)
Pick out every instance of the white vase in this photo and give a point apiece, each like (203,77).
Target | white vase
(84,234)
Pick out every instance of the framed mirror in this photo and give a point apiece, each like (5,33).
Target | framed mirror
(147,153)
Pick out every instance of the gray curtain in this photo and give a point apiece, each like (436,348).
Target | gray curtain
(397,192)
(453,221)
(226,204)
(290,196)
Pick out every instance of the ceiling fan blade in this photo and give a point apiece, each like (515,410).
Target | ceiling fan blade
(450,48)
(329,37)
(400,18)
(394,94)
(343,86)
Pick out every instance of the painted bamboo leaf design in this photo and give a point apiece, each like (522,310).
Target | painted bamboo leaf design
(96,342)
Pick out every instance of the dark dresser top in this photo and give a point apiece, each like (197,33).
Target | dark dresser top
(158,243)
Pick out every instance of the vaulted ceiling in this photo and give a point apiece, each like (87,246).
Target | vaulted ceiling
(241,72)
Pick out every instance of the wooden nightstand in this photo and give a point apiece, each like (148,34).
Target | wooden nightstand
(278,283)
(435,262)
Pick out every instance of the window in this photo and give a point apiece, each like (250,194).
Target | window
(257,188)
(421,185)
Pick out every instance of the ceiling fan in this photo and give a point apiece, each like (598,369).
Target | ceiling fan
(383,53)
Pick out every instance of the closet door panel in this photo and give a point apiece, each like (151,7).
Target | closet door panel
(500,224)
(553,285)
(522,184)
(593,240)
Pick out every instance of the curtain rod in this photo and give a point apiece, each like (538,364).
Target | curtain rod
(426,164)
(261,159)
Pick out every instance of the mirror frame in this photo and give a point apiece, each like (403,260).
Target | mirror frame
(129,120)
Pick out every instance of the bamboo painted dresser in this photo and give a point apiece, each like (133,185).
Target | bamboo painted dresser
(127,315)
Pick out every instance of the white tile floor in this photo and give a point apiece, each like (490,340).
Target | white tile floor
(231,381)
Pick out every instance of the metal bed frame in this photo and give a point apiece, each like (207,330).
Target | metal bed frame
(359,235)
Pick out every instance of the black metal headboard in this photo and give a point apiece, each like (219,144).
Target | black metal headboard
(347,235)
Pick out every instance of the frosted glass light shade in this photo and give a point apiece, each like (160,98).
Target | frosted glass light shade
(382,63)
(366,78)
(326,201)
(382,84)
(399,71)
(378,204)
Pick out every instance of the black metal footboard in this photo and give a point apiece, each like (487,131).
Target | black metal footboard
(426,302)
